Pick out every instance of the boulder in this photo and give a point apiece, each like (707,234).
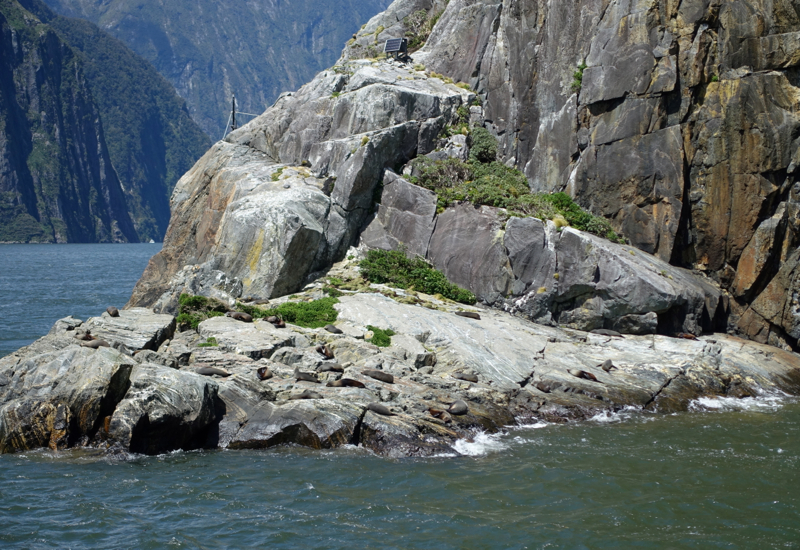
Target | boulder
(253,340)
(59,398)
(136,328)
(165,410)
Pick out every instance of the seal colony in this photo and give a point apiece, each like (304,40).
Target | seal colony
(247,383)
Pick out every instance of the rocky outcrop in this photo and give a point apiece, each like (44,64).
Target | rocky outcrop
(443,377)
(678,130)
(287,194)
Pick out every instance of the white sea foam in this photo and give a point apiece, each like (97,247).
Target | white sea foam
(536,426)
(481,444)
(622,415)
(762,403)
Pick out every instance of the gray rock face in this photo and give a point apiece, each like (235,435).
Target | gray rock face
(58,398)
(405,217)
(164,410)
(249,219)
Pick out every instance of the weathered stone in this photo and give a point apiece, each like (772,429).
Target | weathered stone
(467,246)
(154,418)
(256,341)
(405,217)
(136,328)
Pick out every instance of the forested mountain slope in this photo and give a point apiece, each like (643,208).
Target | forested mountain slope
(92,138)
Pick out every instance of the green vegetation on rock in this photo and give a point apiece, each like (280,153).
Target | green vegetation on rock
(193,310)
(393,268)
(419,26)
(313,314)
(381,337)
(485,181)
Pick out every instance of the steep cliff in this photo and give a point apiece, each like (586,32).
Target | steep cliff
(211,50)
(147,132)
(676,121)
(56,176)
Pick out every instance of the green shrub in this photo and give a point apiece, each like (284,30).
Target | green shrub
(395,269)
(495,184)
(483,146)
(577,78)
(209,343)
(381,338)
(193,310)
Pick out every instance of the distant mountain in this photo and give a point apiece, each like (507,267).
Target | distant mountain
(92,138)
(210,50)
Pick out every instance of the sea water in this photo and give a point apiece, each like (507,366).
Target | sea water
(723,475)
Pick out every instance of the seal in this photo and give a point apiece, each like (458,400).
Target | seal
(466,376)
(306,394)
(325,351)
(239,316)
(112,311)
(345,383)
(685,336)
(458,408)
(333,329)
(441,415)
(305,376)
(583,374)
(469,314)
(607,365)
(211,371)
(379,375)
(264,373)
(95,344)
(606,332)
(377,408)
(330,367)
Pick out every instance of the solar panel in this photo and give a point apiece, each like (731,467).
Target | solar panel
(394,45)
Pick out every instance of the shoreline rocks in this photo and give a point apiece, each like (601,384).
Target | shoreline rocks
(476,375)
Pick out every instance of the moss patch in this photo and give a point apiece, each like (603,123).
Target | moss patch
(395,269)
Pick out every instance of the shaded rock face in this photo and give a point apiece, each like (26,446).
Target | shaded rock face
(681,128)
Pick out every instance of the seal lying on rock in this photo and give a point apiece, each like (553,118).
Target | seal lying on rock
(305,376)
(325,351)
(264,373)
(306,394)
(583,374)
(458,408)
(377,408)
(95,343)
(211,371)
(345,383)
(112,311)
(330,367)
(379,375)
(239,316)
(468,314)
(440,414)
(276,321)
(333,329)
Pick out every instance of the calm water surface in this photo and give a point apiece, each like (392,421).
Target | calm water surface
(724,476)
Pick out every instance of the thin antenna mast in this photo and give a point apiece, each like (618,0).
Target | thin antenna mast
(233,113)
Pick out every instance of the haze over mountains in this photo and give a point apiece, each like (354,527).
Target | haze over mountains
(211,50)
